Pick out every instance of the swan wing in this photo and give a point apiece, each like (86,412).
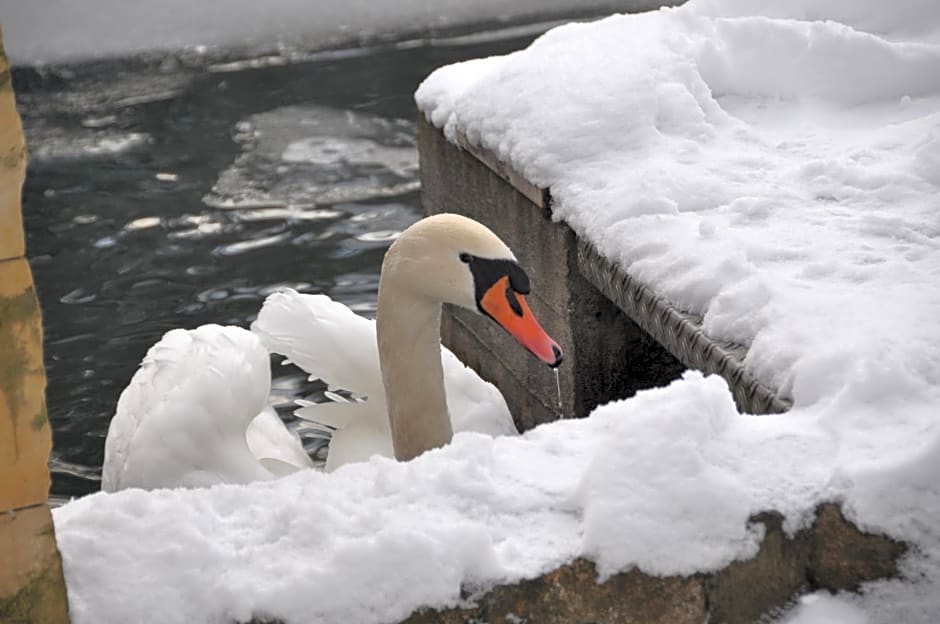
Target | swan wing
(332,343)
(275,445)
(474,404)
(182,418)
(323,337)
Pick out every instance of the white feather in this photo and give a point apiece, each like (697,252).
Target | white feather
(195,412)
(182,420)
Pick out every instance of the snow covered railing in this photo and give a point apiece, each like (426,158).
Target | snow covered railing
(571,264)
(681,333)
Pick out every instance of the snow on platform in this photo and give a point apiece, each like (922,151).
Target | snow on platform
(777,176)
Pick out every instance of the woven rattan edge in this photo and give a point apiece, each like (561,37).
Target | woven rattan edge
(679,332)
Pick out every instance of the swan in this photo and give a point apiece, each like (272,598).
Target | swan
(195,413)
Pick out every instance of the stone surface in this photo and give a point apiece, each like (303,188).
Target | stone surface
(25,438)
(32,590)
(843,557)
(12,166)
(572,595)
(612,356)
(745,590)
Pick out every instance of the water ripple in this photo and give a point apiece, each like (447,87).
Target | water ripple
(245,246)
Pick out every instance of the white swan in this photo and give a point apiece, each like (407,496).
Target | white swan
(195,412)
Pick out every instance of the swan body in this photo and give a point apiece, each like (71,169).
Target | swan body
(196,412)
(184,417)
(332,343)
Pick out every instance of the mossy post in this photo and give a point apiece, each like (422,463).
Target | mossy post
(32,588)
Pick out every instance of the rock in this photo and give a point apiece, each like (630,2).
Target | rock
(843,557)
(571,594)
(31,586)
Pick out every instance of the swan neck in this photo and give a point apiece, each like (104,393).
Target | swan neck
(408,326)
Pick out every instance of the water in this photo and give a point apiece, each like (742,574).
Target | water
(177,191)
(561,409)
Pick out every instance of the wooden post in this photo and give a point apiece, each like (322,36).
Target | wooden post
(32,588)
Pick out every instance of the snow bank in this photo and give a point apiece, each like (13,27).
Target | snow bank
(68,30)
(797,214)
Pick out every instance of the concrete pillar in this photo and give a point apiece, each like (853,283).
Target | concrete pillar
(32,588)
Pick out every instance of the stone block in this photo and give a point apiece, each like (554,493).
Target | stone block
(844,557)
(745,590)
(32,589)
(25,438)
(12,166)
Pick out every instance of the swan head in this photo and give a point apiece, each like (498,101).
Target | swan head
(450,258)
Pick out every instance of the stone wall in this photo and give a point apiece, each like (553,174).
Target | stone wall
(32,588)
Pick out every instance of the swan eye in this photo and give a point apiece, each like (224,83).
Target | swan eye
(465,257)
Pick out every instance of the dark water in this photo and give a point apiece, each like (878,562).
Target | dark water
(174,192)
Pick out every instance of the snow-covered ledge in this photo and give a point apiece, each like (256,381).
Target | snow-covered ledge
(573,273)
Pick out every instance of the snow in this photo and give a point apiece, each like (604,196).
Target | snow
(775,175)
(821,608)
(38,31)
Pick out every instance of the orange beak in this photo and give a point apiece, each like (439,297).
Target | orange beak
(510,310)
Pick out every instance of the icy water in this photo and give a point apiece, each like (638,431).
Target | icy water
(178,191)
